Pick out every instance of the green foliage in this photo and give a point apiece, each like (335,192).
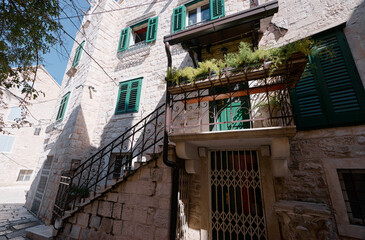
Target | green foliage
(27,30)
(245,57)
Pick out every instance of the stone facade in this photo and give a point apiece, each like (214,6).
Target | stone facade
(137,208)
(27,146)
(302,196)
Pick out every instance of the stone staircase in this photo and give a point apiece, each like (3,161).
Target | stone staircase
(112,165)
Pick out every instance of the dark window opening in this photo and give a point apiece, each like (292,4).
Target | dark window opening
(353,189)
(140,35)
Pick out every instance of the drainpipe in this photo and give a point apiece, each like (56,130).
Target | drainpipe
(173,165)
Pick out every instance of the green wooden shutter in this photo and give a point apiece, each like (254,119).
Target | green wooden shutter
(124,39)
(346,95)
(216,9)
(78,54)
(330,92)
(307,102)
(128,97)
(152,29)
(63,105)
(134,95)
(178,19)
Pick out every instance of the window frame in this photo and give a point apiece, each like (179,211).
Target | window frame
(130,34)
(128,96)
(11,139)
(192,5)
(26,173)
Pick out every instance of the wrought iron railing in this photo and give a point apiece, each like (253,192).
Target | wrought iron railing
(235,99)
(140,143)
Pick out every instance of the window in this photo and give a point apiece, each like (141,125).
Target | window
(119,163)
(198,15)
(24,175)
(145,31)
(352,183)
(128,96)
(331,93)
(37,131)
(78,54)
(15,114)
(6,143)
(196,12)
(62,109)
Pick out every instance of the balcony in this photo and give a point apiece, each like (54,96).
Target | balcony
(235,99)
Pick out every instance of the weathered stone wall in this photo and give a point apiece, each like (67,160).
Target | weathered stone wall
(137,208)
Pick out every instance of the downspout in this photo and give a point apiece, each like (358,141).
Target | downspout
(167,162)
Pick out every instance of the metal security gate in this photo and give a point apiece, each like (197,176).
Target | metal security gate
(236,197)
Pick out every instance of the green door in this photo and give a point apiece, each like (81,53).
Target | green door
(227,113)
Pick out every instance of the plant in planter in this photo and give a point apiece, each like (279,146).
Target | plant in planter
(246,58)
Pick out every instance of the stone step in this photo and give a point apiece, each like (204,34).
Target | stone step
(40,232)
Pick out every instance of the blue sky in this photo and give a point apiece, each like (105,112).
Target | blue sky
(55,62)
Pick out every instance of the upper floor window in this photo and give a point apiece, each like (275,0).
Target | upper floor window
(15,114)
(195,12)
(63,105)
(143,32)
(6,143)
(78,53)
(128,96)
(24,175)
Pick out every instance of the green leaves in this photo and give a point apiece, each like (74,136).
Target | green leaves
(27,30)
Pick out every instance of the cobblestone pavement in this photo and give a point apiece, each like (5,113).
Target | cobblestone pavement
(14,219)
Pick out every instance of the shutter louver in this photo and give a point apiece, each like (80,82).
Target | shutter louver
(124,39)
(330,94)
(133,100)
(78,52)
(178,19)
(122,98)
(216,9)
(152,29)
(129,95)
(62,109)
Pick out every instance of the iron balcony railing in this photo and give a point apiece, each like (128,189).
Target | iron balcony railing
(140,143)
(235,99)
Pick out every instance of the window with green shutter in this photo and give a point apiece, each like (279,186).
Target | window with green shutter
(78,53)
(124,39)
(216,9)
(128,96)
(178,19)
(152,29)
(62,109)
(330,92)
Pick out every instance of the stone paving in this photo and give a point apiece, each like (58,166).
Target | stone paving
(14,219)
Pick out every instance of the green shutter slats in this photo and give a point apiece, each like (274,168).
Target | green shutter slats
(128,97)
(178,19)
(341,92)
(332,94)
(63,105)
(216,9)
(78,53)
(124,39)
(134,96)
(152,29)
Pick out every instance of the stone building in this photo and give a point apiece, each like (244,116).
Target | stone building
(20,148)
(235,153)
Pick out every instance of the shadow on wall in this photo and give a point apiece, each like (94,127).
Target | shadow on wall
(70,144)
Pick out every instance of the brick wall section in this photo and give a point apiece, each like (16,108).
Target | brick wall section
(138,208)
